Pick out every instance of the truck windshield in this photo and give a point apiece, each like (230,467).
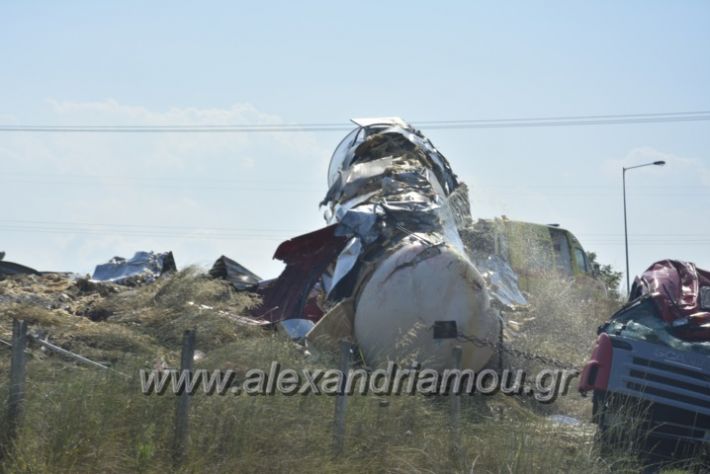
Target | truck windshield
(641,321)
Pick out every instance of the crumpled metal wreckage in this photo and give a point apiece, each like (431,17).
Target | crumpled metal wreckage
(143,267)
(680,292)
(12,268)
(390,266)
(393,250)
(239,276)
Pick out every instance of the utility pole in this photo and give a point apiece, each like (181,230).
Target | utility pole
(626,227)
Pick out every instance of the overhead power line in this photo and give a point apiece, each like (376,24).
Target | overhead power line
(174,228)
(559,121)
(281,237)
(310,183)
(280,234)
(198,234)
(135,230)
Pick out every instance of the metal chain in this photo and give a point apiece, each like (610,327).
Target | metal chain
(500,346)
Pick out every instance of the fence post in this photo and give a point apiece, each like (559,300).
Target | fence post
(183,402)
(341,399)
(15,402)
(455,414)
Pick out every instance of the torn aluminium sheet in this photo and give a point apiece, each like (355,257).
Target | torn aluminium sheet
(143,267)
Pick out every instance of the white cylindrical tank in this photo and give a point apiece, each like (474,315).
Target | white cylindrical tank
(412,289)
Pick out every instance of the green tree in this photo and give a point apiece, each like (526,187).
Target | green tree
(609,277)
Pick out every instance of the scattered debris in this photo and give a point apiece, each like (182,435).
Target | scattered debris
(107,322)
(306,258)
(296,328)
(334,326)
(240,277)
(10,268)
(236,318)
(143,267)
(44,342)
(103,288)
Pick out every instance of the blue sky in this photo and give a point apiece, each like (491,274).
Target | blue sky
(76,200)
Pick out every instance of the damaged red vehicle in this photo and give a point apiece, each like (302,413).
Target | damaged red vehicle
(650,369)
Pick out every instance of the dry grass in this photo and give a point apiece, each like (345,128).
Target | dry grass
(84,420)
(148,321)
(564,316)
(561,323)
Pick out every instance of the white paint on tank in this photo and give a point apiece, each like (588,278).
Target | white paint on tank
(410,290)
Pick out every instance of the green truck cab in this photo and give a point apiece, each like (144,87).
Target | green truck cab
(533,251)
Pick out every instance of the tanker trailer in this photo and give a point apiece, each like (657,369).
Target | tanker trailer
(392,249)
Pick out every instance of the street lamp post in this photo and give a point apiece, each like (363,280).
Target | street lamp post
(626,232)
